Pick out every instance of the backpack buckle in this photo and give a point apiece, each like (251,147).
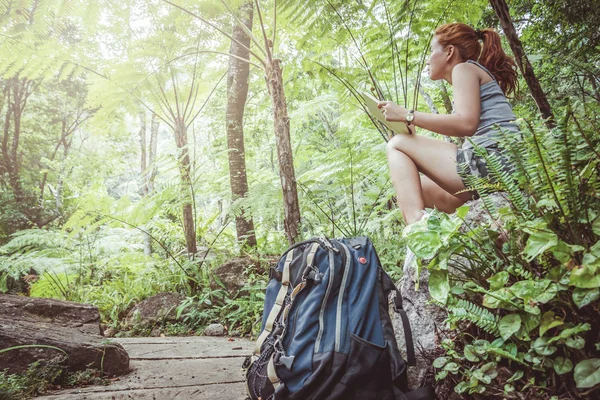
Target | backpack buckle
(275,274)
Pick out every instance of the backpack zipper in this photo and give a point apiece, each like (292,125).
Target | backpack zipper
(327,293)
(338,323)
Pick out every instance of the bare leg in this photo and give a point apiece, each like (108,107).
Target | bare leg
(410,154)
(436,197)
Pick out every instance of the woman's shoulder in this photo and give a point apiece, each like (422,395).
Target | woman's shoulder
(470,70)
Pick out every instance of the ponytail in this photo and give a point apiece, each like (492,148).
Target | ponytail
(494,58)
(491,55)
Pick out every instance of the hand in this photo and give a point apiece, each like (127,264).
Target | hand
(392,112)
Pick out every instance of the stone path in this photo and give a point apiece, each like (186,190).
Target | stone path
(169,368)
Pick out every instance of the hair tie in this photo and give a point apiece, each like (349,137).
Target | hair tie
(479,34)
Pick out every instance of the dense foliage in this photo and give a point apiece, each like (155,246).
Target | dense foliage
(92,188)
(522,289)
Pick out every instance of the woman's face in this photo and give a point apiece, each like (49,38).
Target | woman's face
(437,60)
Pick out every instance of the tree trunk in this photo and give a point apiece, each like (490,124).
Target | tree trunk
(144,174)
(189,228)
(287,176)
(501,9)
(237,92)
(152,152)
(143,152)
(446,98)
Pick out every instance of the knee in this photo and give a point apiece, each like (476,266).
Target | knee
(397,143)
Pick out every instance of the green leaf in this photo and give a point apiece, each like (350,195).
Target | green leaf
(562,365)
(576,342)
(596,226)
(440,362)
(516,376)
(530,288)
(424,244)
(451,367)
(486,373)
(583,297)
(549,321)
(462,387)
(538,242)
(567,333)
(439,287)
(498,281)
(462,211)
(469,353)
(587,373)
(508,325)
(583,277)
(541,347)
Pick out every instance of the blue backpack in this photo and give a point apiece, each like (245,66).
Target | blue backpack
(326,330)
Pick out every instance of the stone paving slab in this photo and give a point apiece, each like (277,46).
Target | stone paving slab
(204,348)
(175,368)
(231,391)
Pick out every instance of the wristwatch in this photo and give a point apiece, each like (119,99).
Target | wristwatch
(410,117)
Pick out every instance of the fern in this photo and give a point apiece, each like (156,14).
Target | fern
(463,310)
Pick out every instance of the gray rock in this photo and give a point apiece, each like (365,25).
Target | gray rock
(233,274)
(154,310)
(214,330)
(428,320)
(71,327)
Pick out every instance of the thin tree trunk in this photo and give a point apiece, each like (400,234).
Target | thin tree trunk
(501,9)
(237,93)
(186,182)
(291,208)
(152,152)
(143,152)
(446,98)
(428,100)
(144,190)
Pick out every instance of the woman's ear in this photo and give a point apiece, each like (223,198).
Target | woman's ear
(449,52)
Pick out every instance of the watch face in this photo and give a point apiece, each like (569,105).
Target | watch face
(410,117)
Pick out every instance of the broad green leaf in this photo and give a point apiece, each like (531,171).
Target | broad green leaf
(508,325)
(583,297)
(451,367)
(440,362)
(541,347)
(583,277)
(587,373)
(549,321)
(486,373)
(498,281)
(462,387)
(538,242)
(424,244)
(439,287)
(562,365)
(531,289)
(469,353)
(576,342)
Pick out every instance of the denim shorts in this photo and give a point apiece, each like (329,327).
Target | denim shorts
(468,163)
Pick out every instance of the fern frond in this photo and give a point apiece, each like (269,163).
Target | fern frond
(464,310)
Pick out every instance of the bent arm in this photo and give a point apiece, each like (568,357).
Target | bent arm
(467,106)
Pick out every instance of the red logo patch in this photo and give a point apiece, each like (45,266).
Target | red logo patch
(362,260)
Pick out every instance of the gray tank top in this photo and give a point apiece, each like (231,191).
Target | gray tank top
(496,113)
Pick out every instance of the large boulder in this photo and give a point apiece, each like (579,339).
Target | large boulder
(154,310)
(428,320)
(43,325)
(233,274)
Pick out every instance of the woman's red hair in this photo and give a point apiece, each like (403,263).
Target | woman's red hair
(466,40)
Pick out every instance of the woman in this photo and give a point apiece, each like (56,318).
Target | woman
(481,75)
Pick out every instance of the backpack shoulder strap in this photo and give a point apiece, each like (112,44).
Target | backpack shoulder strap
(285,283)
